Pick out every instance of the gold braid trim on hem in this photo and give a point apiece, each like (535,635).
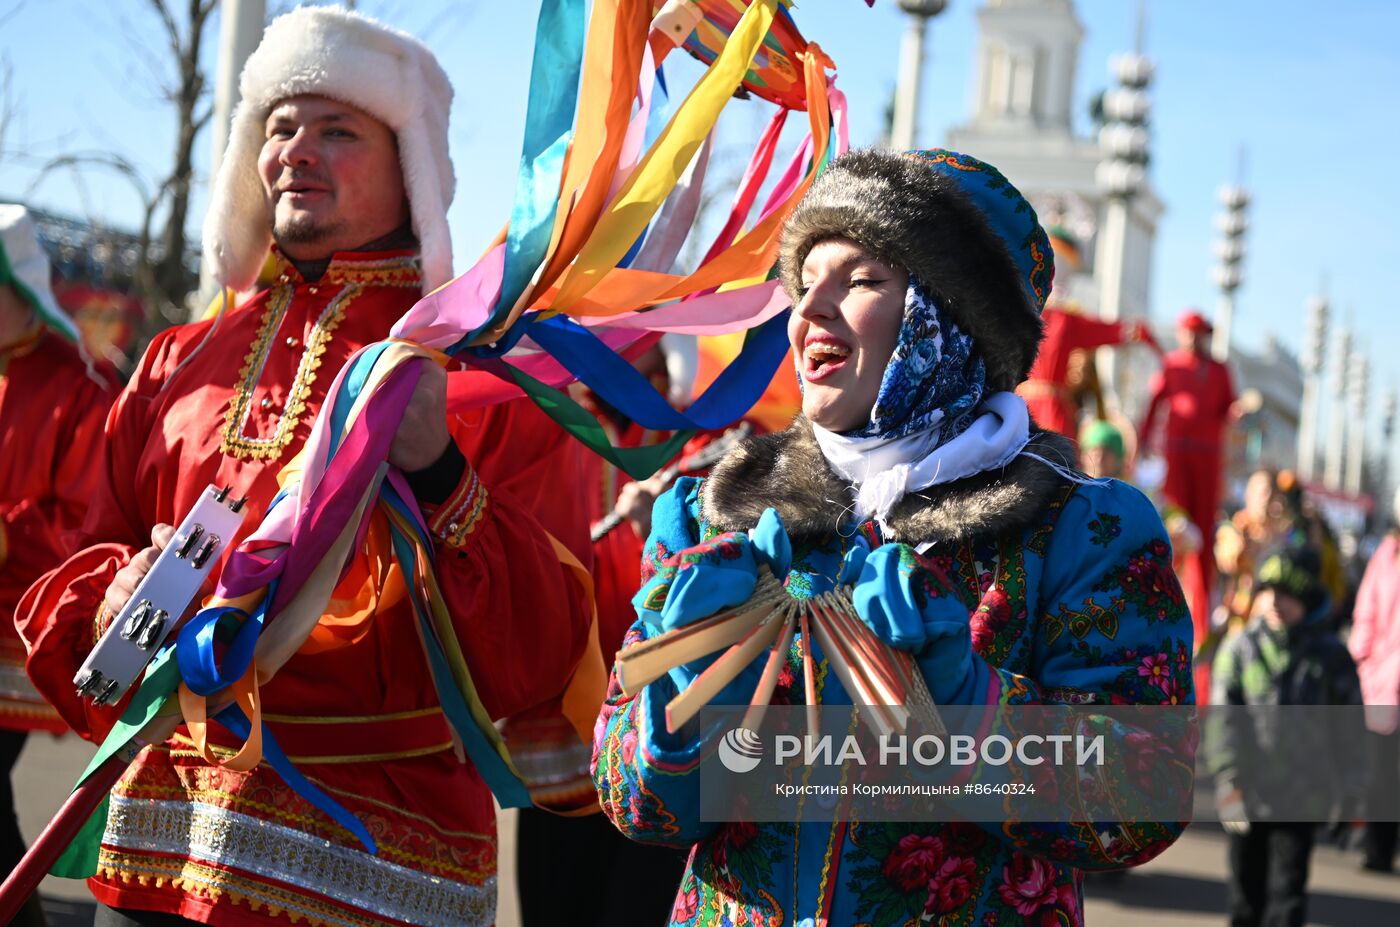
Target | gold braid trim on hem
(318,826)
(287,907)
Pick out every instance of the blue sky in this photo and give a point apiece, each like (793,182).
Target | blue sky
(1305,87)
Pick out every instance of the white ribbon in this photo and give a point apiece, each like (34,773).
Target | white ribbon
(885,470)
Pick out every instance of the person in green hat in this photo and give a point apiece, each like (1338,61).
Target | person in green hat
(1265,769)
(53,403)
(1101,451)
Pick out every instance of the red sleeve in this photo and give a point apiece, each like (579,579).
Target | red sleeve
(1157,387)
(43,529)
(1227,392)
(617,571)
(1084,332)
(58,617)
(522,618)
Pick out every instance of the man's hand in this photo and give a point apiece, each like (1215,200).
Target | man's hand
(634,502)
(422,436)
(129,576)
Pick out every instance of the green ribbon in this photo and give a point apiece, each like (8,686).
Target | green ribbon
(637,462)
(162,677)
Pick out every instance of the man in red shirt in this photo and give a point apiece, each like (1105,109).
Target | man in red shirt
(338,161)
(1197,394)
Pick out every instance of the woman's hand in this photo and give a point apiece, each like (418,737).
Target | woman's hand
(907,603)
(717,575)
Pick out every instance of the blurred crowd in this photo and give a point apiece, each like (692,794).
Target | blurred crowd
(1297,616)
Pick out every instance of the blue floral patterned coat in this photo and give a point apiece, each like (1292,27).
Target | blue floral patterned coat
(1072,600)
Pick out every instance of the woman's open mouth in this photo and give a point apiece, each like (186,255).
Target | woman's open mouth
(823,358)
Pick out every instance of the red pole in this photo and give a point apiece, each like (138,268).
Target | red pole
(25,879)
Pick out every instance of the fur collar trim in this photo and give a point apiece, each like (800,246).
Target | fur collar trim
(786,471)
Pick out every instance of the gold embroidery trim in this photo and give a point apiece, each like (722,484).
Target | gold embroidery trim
(398,271)
(188,751)
(458,517)
(352,719)
(217,883)
(317,825)
(238,801)
(234,441)
(101,621)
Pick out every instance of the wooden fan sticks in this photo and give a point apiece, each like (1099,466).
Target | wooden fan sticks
(874,675)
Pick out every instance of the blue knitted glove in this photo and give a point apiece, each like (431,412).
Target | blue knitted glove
(908,606)
(712,577)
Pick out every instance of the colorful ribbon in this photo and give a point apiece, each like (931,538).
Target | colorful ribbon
(593,195)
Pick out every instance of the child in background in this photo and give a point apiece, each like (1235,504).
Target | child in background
(1266,771)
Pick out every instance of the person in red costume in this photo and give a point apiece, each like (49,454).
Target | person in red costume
(338,155)
(52,405)
(581,870)
(1196,392)
(1047,390)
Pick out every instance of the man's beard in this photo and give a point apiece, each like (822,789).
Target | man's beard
(304,230)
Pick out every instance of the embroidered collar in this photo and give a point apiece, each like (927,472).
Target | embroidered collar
(396,268)
(21,346)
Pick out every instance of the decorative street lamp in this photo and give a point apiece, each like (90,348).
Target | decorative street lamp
(1359,387)
(1337,425)
(1124,143)
(1232,224)
(904,132)
(1314,352)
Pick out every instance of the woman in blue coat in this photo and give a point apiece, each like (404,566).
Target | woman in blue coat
(917,281)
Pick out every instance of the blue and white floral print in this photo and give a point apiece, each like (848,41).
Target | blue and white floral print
(935,378)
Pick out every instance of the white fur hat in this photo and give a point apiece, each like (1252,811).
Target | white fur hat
(332,52)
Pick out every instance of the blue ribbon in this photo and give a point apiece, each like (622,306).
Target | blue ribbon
(194,648)
(549,119)
(611,377)
(237,722)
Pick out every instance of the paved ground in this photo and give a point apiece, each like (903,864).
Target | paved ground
(1184,887)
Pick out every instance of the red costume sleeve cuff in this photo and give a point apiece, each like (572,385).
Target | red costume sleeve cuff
(458,516)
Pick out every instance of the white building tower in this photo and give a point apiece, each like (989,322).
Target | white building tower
(1023,121)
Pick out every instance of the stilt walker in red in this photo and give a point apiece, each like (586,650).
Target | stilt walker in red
(1197,394)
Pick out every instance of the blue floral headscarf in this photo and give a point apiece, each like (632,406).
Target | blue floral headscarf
(935,377)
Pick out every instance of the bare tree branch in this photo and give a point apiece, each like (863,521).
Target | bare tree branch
(103,159)
(202,119)
(8,106)
(11,13)
(172,29)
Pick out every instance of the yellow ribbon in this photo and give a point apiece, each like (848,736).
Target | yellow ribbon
(642,194)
